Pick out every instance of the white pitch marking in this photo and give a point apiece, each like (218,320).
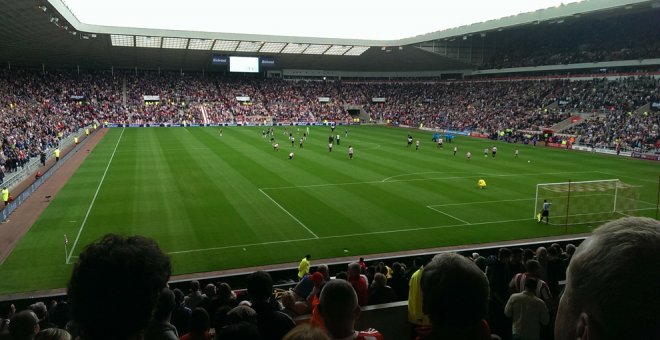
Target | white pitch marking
(421,173)
(288,213)
(420,179)
(82,226)
(480,202)
(444,213)
(242,245)
(349,235)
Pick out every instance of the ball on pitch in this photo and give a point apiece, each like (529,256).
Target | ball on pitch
(529,161)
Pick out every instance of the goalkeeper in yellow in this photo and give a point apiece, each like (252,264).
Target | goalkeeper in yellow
(481,183)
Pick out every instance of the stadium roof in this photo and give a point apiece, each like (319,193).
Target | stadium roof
(48,32)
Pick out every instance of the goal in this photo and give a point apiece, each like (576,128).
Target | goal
(587,201)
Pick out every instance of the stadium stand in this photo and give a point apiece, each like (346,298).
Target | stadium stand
(615,108)
(389,318)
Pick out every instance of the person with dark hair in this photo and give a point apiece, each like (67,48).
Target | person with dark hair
(159,327)
(117,278)
(516,265)
(53,334)
(455,298)
(7,310)
(200,324)
(612,284)
(379,291)
(339,308)
(528,312)
(195,297)
(499,275)
(220,318)
(517,284)
(398,281)
(180,318)
(24,325)
(60,314)
(271,321)
(240,331)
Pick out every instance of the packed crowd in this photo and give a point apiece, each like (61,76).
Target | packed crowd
(514,295)
(37,110)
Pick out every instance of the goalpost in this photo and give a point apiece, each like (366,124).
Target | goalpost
(587,201)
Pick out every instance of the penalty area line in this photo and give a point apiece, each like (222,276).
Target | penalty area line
(288,213)
(444,213)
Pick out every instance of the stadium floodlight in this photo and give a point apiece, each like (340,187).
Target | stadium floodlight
(122,40)
(337,50)
(587,201)
(272,47)
(176,43)
(294,48)
(200,44)
(316,49)
(249,46)
(357,50)
(225,45)
(150,42)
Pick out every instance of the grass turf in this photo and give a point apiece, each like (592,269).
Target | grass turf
(217,202)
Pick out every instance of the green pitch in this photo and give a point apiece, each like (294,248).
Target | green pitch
(218,202)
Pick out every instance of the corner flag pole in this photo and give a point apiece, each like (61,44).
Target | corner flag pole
(66,243)
(568,205)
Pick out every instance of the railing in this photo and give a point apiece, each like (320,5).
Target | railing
(11,207)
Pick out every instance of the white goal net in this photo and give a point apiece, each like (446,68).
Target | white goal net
(587,201)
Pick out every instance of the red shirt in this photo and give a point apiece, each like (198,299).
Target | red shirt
(361,289)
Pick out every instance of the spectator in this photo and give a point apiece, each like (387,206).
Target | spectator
(517,265)
(181,314)
(499,275)
(41,311)
(117,278)
(195,297)
(380,292)
(303,267)
(240,331)
(200,324)
(159,327)
(271,321)
(611,285)
(7,310)
(455,297)
(306,332)
(53,334)
(416,315)
(220,318)
(528,312)
(292,307)
(398,282)
(359,283)
(24,325)
(517,284)
(339,308)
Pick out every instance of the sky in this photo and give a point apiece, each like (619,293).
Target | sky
(351,19)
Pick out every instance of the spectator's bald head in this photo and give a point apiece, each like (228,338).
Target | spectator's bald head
(612,282)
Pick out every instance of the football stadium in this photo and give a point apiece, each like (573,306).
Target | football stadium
(224,170)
